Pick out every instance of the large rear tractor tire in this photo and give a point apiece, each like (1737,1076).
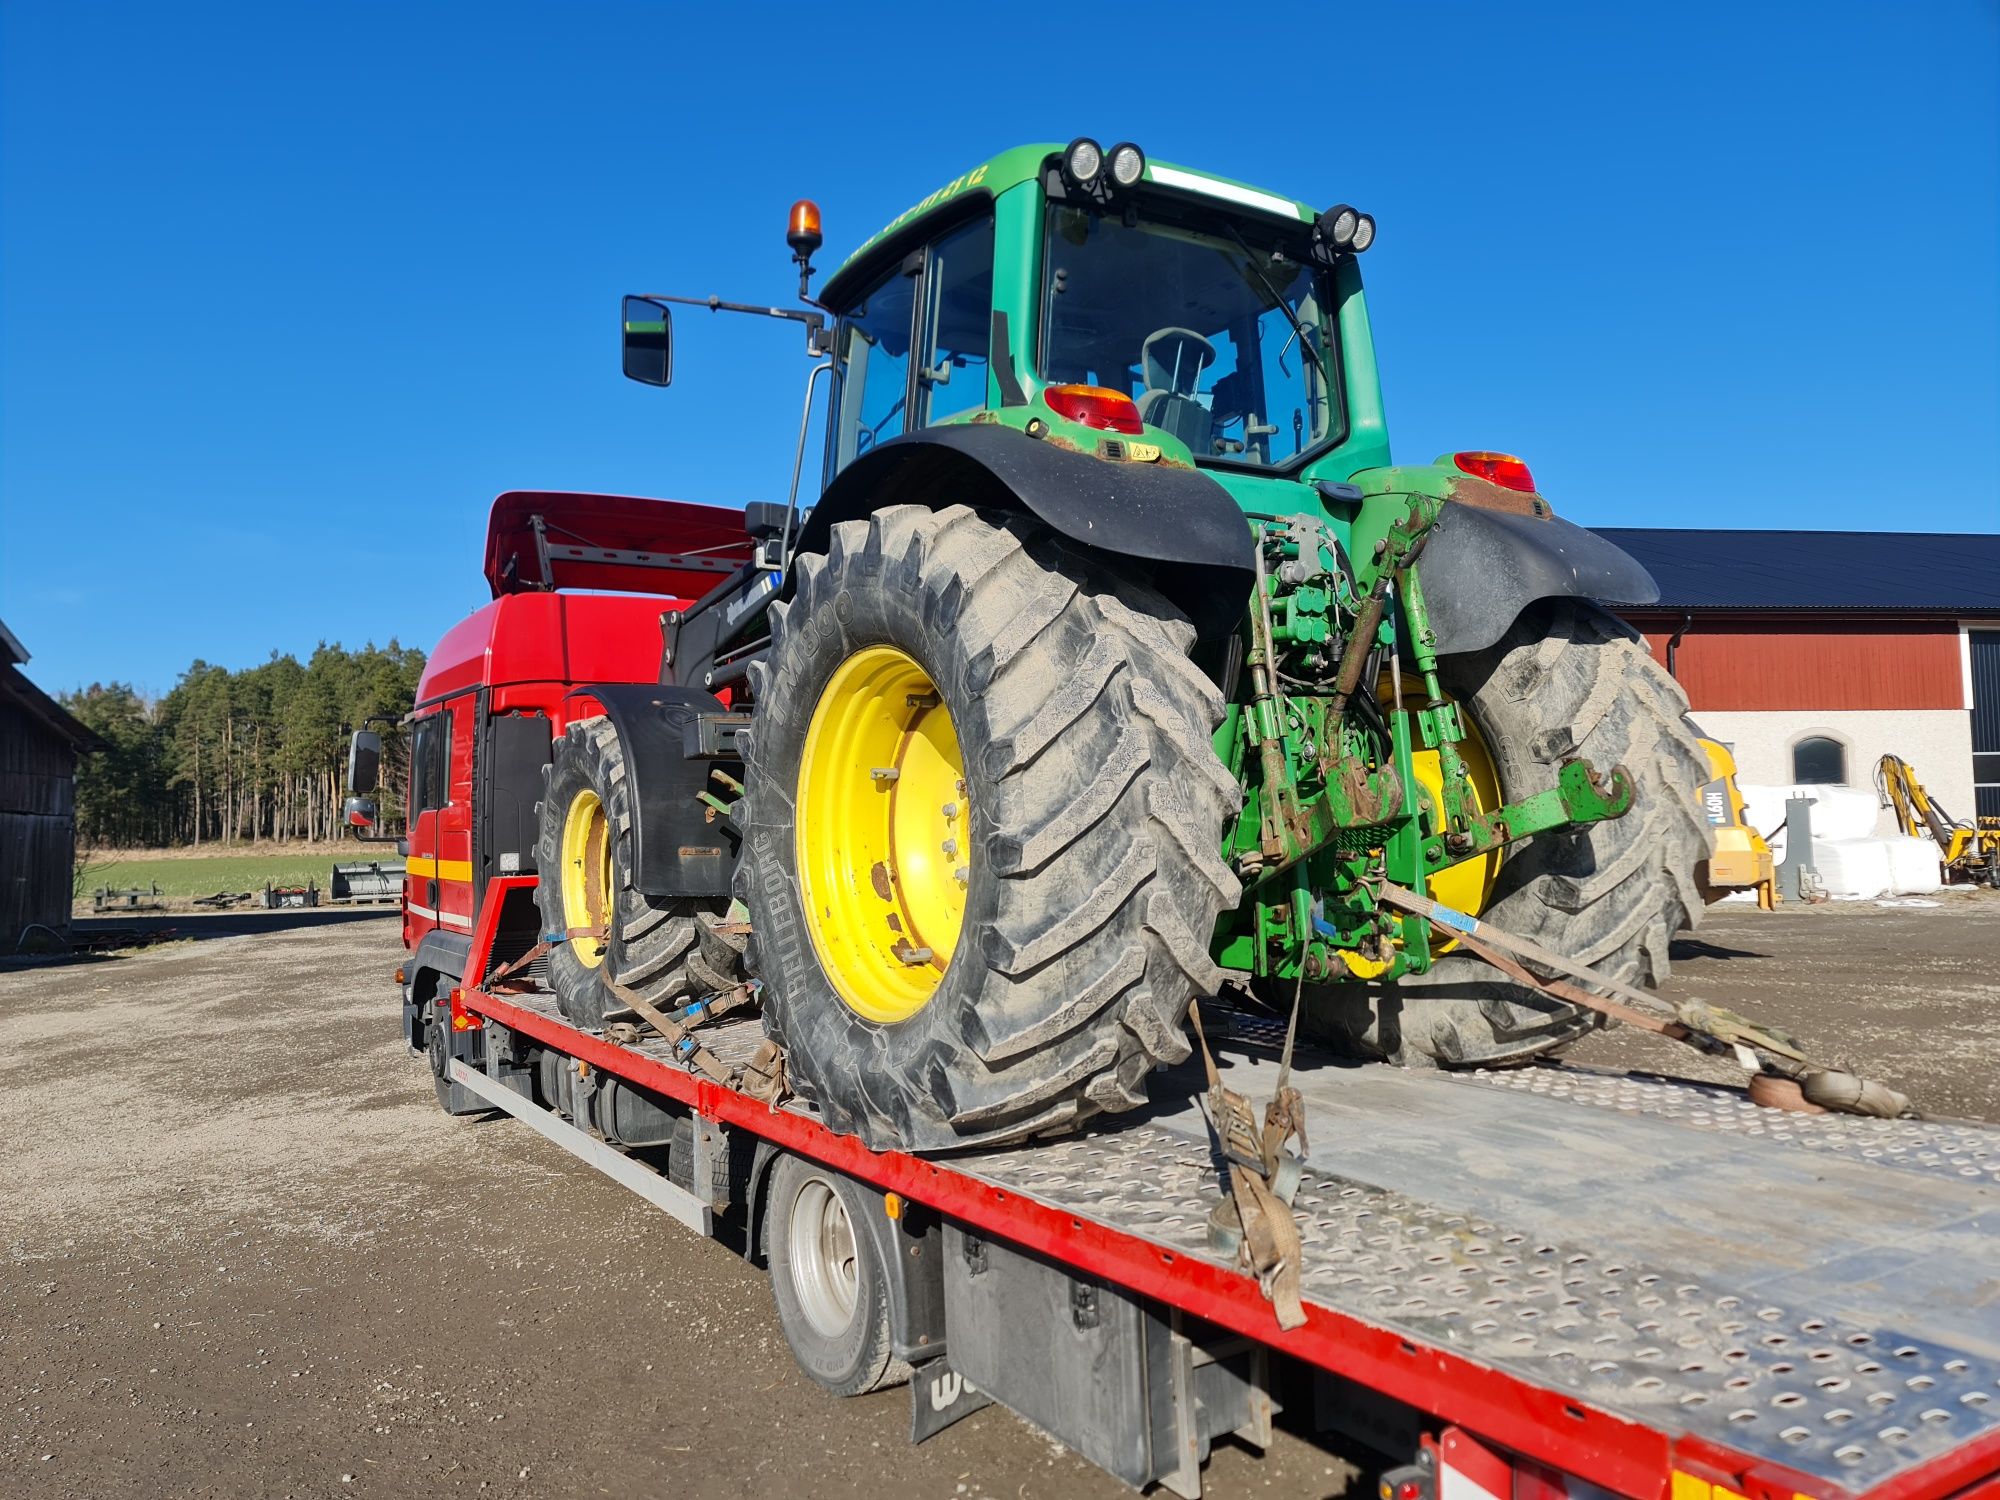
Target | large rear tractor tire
(661,948)
(982,824)
(1566,680)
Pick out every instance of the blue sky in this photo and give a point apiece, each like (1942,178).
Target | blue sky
(289,292)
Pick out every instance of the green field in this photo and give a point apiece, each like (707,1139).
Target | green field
(204,875)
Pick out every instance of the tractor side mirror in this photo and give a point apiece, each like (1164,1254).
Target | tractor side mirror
(646,331)
(359,813)
(364,763)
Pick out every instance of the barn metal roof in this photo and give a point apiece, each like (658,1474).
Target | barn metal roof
(1917,573)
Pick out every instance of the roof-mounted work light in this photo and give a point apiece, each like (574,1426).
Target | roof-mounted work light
(1344,230)
(1083,162)
(1128,164)
(1336,226)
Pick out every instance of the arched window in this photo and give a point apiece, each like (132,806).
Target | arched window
(1819,761)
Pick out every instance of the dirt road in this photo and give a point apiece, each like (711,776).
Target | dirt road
(244,1254)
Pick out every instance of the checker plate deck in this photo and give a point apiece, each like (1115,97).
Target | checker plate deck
(1821,1291)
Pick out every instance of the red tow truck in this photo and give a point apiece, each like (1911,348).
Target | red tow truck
(1549,1282)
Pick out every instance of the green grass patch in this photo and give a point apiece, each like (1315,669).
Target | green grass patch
(204,875)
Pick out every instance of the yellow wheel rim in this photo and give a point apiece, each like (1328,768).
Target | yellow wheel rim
(586,873)
(883,834)
(1466,886)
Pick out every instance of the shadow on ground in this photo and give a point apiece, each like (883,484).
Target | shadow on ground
(107,939)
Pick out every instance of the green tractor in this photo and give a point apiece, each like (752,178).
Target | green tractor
(1117,661)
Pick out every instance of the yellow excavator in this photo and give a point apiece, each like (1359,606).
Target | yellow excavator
(1740,856)
(1970,851)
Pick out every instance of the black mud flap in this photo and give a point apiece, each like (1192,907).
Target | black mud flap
(939,1396)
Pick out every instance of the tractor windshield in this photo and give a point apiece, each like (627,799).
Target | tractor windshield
(1201,329)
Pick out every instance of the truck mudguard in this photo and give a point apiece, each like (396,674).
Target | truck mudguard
(443,953)
(676,850)
(1177,520)
(1481,568)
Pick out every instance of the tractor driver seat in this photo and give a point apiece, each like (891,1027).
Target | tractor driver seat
(1172,361)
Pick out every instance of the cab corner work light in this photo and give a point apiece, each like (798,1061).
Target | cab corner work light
(1083,161)
(1345,229)
(1097,173)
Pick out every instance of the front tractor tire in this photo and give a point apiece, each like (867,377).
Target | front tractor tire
(982,823)
(1566,680)
(651,945)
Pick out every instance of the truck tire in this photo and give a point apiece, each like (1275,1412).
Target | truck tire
(1068,791)
(831,1290)
(1567,679)
(584,856)
(452,1098)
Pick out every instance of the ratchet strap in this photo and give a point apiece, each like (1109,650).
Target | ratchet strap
(1266,1235)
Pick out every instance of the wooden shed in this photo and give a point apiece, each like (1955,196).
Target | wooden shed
(39,745)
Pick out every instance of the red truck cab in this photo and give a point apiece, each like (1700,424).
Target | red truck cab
(581,587)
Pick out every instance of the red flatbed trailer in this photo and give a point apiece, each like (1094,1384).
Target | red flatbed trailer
(1545,1283)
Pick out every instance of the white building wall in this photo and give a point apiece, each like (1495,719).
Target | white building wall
(1937,742)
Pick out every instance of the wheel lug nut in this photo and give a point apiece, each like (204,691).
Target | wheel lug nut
(951,809)
(951,848)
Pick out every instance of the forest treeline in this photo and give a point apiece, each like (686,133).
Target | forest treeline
(232,756)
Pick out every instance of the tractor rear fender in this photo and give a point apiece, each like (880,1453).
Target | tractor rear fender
(676,849)
(1481,568)
(1190,538)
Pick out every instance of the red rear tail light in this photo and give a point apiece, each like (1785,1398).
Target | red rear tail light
(1095,406)
(1497,468)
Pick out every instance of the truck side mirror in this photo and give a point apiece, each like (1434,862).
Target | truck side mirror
(646,329)
(364,762)
(359,812)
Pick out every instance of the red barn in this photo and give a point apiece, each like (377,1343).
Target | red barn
(1814,653)
(39,744)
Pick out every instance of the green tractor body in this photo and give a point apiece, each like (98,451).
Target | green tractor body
(1117,658)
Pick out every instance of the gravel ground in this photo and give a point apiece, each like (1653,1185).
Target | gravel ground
(244,1255)
(1909,994)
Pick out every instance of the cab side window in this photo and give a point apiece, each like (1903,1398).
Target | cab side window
(873,368)
(430,759)
(958,321)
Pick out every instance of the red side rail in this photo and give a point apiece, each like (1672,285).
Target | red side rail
(1569,1436)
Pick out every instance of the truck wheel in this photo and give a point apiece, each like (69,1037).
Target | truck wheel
(832,1293)
(452,1098)
(1565,680)
(585,862)
(983,816)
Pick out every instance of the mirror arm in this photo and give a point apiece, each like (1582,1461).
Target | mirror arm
(815,322)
